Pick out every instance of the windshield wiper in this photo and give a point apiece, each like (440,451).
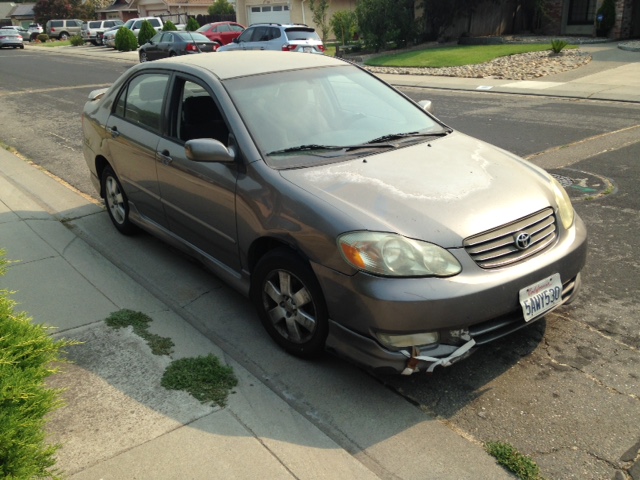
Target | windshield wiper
(314,147)
(397,136)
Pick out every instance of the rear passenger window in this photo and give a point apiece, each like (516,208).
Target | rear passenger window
(141,101)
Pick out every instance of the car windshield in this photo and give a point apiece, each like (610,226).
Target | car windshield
(312,116)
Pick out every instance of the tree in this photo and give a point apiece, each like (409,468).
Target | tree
(169,26)
(192,25)
(319,14)
(384,21)
(343,24)
(126,41)
(88,9)
(221,7)
(440,14)
(45,10)
(146,33)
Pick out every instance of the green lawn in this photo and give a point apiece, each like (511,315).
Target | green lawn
(57,43)
(455,56)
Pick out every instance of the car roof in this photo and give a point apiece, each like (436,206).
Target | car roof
(234,64)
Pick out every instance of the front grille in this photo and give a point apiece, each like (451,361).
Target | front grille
(497,248)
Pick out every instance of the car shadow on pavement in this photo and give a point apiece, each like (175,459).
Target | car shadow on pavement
(448,390)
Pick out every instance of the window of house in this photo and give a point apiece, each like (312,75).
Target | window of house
(581,12)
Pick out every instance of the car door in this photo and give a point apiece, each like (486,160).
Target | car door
(154,48)
(198,197)
(133,131)
(245,41)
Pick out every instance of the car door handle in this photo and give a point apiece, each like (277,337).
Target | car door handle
(114,131)
(164,157)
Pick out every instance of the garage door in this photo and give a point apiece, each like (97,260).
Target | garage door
(269,14)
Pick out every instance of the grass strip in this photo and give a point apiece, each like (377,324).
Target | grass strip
(140,324)
(455,56)
(206,378)
(521,465)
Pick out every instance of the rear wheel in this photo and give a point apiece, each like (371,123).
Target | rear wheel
(290,303)
(64,36)
(143,56)
(116,202)
(172,54)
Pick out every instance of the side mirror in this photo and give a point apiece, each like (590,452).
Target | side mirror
(426,105)
(208,150)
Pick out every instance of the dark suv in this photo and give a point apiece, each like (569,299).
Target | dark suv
(274,36)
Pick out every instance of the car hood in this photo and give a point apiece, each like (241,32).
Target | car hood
(440,191)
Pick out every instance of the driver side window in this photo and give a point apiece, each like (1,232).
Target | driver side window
(199,115)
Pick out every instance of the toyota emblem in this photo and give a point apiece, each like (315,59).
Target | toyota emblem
(522,240)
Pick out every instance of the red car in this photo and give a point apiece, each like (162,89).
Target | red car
(221,33)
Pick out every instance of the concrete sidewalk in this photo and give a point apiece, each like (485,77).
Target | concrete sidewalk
(119,423)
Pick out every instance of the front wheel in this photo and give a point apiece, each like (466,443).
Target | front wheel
(116,202)
(290,303)
(143,57)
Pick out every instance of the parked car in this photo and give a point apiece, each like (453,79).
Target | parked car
(135,24)
(221,33)
(108,38)
(10,38)
(352,218)
(171,44)
(23,32)
(273,36)
(90,30)
(63,29)
(34,30)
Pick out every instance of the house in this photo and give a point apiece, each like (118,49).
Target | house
(23,14)
(5,9)
(554,17)
(284,11)
(174,10)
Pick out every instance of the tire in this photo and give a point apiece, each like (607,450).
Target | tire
(22,47)
(172,54)
(116,202)
(290,303)
(64,36)
(143,57)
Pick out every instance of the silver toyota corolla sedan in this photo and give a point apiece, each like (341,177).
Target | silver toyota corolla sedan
(354,220)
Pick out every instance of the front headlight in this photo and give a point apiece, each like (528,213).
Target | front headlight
(389,254)
(565,209)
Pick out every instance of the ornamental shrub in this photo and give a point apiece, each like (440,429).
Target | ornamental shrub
(43,37)
(146,33)
(192,25)
(557,45)
(126,41)
(27,355)
(77,41)
(343,24)
(169,27)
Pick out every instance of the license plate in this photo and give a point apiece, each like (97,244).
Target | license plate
(308,49)
(541,297)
